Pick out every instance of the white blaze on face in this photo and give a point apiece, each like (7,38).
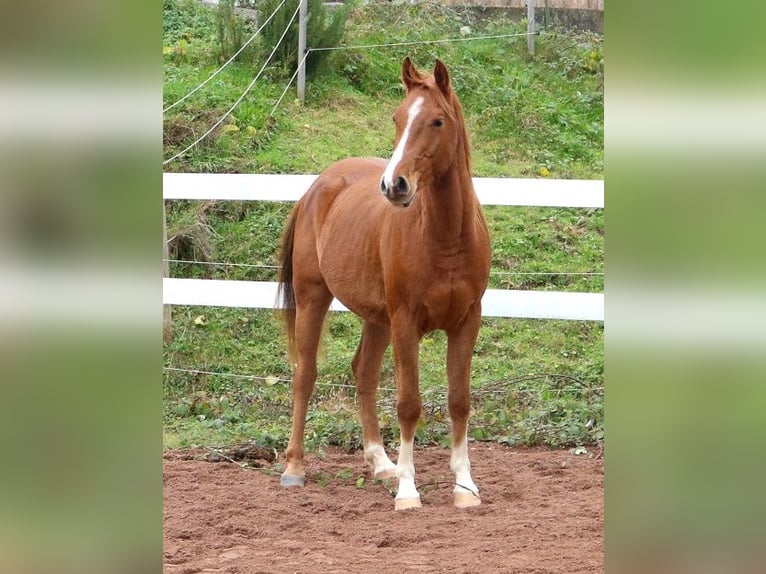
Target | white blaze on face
(412,113)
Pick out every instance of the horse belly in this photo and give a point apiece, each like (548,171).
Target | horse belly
(356,287)
(368,310)
(350,264)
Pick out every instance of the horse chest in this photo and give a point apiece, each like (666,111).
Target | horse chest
(445,299)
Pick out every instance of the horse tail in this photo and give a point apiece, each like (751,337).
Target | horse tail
(285,292)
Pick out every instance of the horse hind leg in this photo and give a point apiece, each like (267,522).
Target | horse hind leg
(366,367)
(311,309)
(459,353)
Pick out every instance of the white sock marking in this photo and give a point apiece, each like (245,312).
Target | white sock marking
(376,457)
(461,466)
(412,113)
(405,472)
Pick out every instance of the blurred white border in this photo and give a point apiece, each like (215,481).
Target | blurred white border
(90,110)
(685,120)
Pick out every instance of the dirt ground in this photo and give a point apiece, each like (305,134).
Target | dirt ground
(542,511)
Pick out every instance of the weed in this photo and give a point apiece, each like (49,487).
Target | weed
(344,474)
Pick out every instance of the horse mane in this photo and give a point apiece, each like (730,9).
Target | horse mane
(456,109)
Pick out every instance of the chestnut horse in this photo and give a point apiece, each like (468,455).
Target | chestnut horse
(404,245)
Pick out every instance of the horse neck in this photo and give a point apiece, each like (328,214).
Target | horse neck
(448,209)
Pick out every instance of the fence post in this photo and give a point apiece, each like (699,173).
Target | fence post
(302,17)
(531,27)
(167,321)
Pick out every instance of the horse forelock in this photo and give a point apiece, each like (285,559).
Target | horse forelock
(427,86)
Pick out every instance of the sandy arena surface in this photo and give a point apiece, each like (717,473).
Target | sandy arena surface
(542,511)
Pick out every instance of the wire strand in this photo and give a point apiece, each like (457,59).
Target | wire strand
(309,50)
(230,375)
(229,61)
(421,42)
(478,389)
(577,273)
(221,264)
(365,46)
(259,266)
(287,87)
(242,97)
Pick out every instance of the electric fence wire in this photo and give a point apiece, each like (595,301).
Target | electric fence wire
(486,388)
(287,87)
(242,97)
(368,46)
(229,61)
(422,42)
(276,105)
(262,266)
(308,52)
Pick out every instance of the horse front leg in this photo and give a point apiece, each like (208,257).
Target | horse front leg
(408,406)
(460,345)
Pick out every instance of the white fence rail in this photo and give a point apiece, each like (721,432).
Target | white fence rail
(279,187)
(491,191)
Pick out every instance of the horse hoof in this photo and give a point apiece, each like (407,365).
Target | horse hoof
(407,503)
(292,480)
(385,474)
(466,500)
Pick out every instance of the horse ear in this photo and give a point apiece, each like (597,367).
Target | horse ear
(410,76)
(441,75)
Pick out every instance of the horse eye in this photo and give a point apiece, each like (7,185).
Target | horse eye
(437,123)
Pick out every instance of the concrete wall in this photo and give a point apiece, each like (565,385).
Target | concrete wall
(580,14)
(552,4)
(572,14)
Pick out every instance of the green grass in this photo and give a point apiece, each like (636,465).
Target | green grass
(523,113)
(534,382)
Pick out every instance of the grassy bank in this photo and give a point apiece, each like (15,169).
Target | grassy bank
(535,382)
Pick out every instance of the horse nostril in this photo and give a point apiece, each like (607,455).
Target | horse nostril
(382,185)
(402,187)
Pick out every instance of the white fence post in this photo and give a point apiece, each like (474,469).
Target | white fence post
(531,27)
(302,18)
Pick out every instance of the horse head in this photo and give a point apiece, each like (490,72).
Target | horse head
(430,134)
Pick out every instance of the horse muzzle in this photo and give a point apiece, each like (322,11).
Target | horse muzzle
(398,192)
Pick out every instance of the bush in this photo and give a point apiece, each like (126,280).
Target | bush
(323,30)
(231,30)
(189,32)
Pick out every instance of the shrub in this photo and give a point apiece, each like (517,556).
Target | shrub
(231,30)
(323,30)
(189,32)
